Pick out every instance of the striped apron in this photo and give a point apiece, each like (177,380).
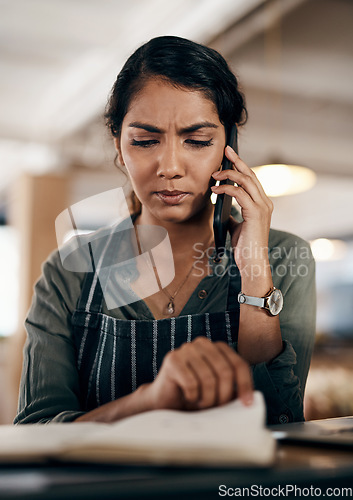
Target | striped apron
(115,356)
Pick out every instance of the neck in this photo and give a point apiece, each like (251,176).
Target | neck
(184,235)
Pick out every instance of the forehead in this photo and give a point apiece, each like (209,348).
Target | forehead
(161,100)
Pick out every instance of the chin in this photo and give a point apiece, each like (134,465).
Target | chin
(173,214)
(178,213)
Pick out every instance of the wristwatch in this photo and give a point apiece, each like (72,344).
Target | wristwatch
(272,302)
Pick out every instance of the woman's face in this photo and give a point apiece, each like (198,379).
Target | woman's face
(171,142)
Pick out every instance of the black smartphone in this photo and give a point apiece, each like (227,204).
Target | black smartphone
(224,202)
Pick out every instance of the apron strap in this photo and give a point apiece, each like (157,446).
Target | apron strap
(102,253)
(91,298)
(234,286)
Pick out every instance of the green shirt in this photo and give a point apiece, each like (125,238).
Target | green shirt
(49,389)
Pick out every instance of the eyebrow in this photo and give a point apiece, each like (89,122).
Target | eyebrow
(184,130)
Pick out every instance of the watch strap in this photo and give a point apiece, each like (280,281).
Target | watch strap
(251,301)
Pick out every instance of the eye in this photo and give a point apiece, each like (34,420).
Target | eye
(144,144)
(199,144)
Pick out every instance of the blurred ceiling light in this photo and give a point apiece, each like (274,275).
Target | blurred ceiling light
(280,180)
(324,249)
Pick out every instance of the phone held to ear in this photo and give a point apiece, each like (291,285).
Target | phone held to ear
(224,202)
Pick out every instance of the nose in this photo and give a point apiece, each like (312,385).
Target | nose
(171,163)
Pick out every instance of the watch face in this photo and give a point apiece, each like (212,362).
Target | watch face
(275,302)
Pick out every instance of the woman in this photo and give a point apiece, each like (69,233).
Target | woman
(190,345)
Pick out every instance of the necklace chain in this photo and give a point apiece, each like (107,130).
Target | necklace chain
(170,309)
(171,306)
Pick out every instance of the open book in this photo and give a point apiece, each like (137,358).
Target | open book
(231,434)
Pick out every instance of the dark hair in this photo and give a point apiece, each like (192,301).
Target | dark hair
(184,64)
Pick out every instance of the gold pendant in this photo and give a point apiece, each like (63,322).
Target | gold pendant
(170,307)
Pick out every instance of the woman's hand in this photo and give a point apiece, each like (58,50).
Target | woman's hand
(250,237)
(200,374)
(259,335)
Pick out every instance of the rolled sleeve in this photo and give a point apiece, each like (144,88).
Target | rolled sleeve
(283,379)
(281,387)
(50,389)
(293,272)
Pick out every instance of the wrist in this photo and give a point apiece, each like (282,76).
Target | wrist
(143,393)
(256,278)
(256,288)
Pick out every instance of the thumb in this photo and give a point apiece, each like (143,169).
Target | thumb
(234,230)
(233,225)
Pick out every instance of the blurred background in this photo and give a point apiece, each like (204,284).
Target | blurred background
(294,60)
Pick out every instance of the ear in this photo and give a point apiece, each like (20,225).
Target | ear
(118,150)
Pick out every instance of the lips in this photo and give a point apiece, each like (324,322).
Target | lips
(171,197)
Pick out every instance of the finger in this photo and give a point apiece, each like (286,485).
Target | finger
(176,368)
(205,374)
(220,366)
(242,197)
(242,373)
(238,163)
(242,167)
(242,180)
(193,375)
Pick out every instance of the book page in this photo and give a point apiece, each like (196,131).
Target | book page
(35,442)
(228,434)
(231,434)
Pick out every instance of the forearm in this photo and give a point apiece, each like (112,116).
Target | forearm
(259,337)
(131,404)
